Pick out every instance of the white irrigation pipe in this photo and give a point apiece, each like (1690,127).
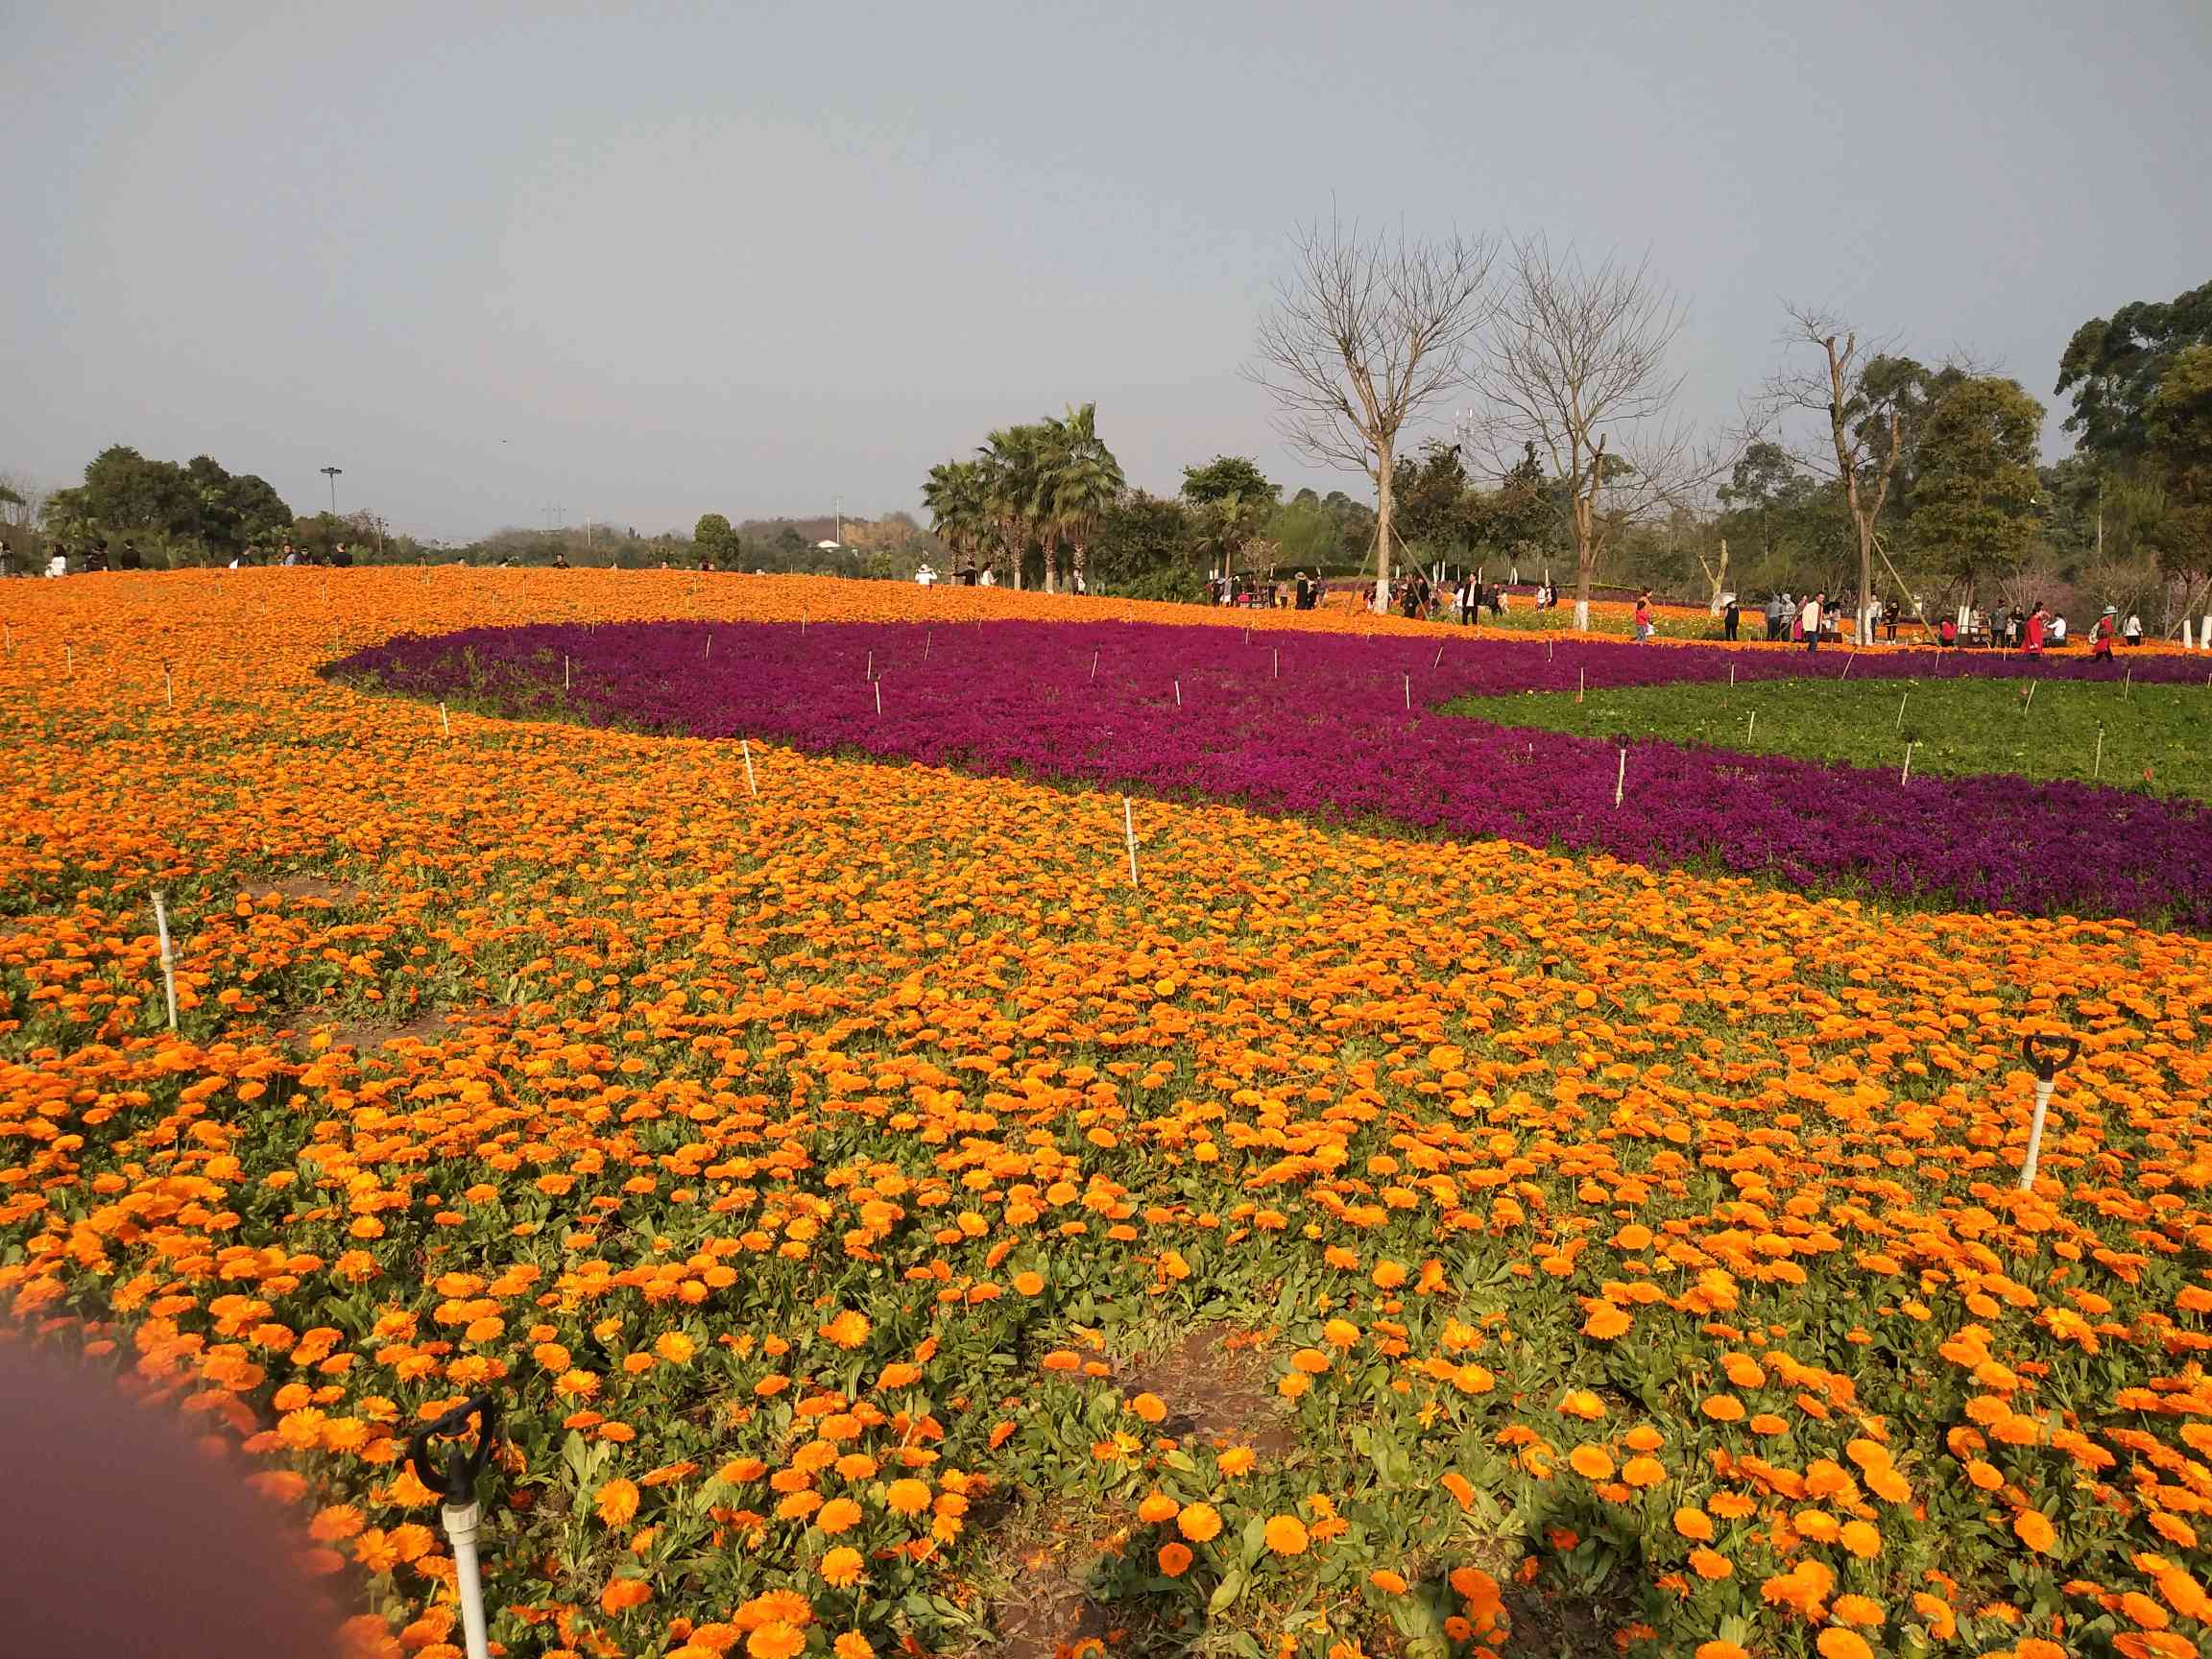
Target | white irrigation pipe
(467,1577)
(2046,1066)
(168,959)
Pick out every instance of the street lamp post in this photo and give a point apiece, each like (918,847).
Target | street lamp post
(331,473)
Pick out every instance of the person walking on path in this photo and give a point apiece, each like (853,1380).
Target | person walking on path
(2033,636)
(1809,620)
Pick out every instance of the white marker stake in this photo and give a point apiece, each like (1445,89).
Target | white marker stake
(1751,726)
(1620,780)
(168,688)
(928,639)
(1847,661)
(1731,676)
(1129,830)
(1901,702)
(1580,674)
(1178,693)
(1094,663)
(2028,702)
(870,672)
(2097,766)
(564,672)
(168,961)
(2043,1088)
(1408,693)
(1278,674)
(2127,685)
(879,696)
(1905,775)
(1437,661)
(709,656)
(69,656)
(746,746)
(442,721)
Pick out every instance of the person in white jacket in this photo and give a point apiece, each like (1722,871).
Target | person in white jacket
(1809,619)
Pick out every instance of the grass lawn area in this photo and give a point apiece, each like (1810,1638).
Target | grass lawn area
(2157,738)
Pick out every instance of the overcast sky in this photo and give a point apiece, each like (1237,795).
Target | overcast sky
(646,260)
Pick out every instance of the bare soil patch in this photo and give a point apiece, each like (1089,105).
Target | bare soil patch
(1217,1388)
(320,889)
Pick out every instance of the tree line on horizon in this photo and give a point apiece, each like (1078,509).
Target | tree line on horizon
(1857,464)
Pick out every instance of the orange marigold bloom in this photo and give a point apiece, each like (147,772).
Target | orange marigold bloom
(842,1566)
(1710,1563)
(838,1515)
(1858,1610)
(1237,1460)
(1157,1507)
(848,1329)
(1150,1407)
(1694,1524)
(908,1497)
(623,1594)
(776,1641)
(2033,1528)
(1198,1522)
(1607,1323)
(1591,1462)
(1285,1535)
(617,1502)
(1838,1643)
(1388,1582)
(1174,1559)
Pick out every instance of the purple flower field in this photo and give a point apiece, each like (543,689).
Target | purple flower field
(1325,730)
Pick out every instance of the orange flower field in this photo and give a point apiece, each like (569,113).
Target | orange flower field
(886,1231)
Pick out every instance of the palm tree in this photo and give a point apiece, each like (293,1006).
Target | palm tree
(1083,481)
(959,505)
(1014,474)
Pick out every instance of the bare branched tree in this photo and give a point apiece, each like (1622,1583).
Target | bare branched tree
(1576,363)
(1366,336)
(1863,427)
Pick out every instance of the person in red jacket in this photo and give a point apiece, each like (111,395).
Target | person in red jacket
(2034,634)
(2101,650)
